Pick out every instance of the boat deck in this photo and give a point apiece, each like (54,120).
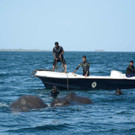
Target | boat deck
(51,74)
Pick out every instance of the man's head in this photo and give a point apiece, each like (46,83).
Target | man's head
(54,89)
(131,63)
(84,58)
(56,44)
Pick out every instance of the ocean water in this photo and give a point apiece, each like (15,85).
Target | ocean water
(109,115)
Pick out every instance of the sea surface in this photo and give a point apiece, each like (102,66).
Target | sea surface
(110,114)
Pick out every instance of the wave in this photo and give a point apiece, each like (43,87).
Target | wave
(40,128)
(3,104)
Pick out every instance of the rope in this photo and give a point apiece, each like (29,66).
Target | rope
(66,74)
(67,82)
(62,63)
(57,67)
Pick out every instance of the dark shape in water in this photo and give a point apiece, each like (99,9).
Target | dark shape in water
(118,92)
(59,102)
(54,93)
(70,99)
(28,102)
(73,98)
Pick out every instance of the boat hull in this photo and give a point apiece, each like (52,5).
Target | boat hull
(88,83)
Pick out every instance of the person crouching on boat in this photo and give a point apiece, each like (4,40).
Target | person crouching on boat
(58,56)
(85,65)
(130,72)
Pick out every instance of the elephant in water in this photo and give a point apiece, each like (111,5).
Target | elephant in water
(25,103)
(70,99)
(28,102)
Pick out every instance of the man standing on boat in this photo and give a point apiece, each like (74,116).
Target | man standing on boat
(130,70)
(58,56)
(85,65)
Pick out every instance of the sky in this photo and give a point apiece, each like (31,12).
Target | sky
(78,25)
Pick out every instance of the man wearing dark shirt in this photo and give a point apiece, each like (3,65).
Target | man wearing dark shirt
(54,93)
(85,65)
(58,56)
(130,70)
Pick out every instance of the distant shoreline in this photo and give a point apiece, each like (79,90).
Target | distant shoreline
(39,50)
(23,50)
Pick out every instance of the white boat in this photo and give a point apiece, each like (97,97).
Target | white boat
(62,80)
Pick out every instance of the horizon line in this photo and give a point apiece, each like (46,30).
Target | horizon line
(42,50)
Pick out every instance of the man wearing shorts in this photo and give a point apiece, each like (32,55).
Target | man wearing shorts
(58,56)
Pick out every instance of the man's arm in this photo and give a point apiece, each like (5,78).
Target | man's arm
(77,68)
(86,74)
(62,52)
(131,69)
(54,54)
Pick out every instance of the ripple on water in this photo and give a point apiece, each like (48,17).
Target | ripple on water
(109,114)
